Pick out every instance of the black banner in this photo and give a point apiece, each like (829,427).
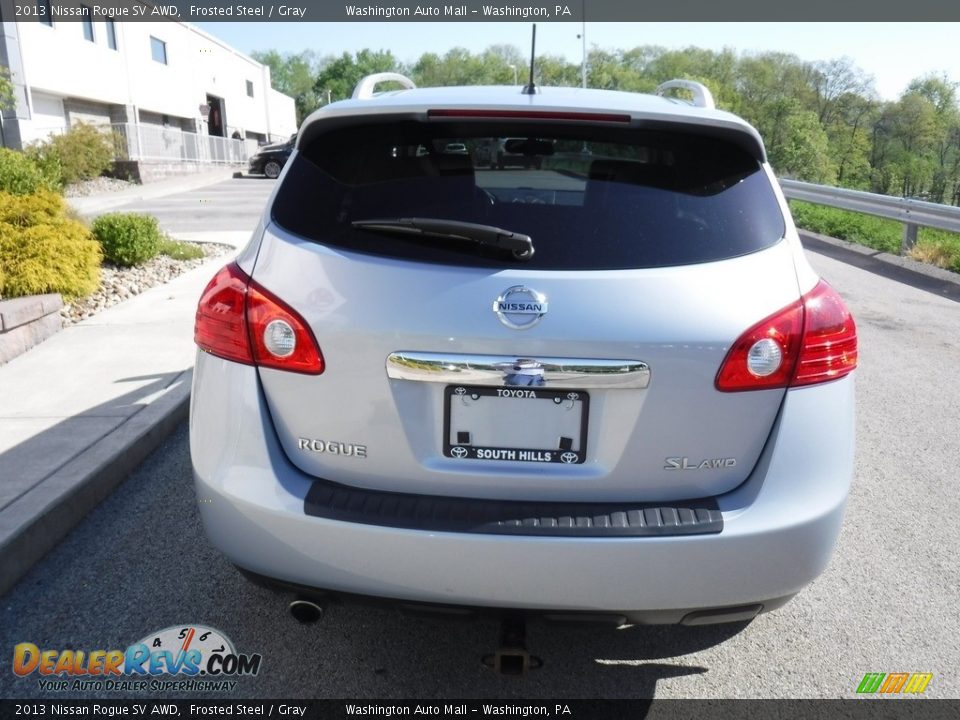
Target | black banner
(476,11)
(854,709)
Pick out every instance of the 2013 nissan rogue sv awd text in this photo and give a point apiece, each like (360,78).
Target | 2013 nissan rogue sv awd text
(602,381)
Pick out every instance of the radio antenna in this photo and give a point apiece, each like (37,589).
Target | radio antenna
(531,88)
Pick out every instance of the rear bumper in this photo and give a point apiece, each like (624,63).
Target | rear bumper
(779,527)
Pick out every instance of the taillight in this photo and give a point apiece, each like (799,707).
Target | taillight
(829,338)
(239,320)
(221,324)
(810,341)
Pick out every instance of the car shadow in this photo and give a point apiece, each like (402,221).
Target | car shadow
(42,476)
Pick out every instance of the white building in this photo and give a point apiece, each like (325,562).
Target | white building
(171,89)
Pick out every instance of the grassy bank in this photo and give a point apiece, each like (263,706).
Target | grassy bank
(937,247)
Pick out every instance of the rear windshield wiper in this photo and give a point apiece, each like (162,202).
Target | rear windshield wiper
(519,245)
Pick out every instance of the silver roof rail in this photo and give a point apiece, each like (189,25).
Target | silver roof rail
(364,89)
(702,97)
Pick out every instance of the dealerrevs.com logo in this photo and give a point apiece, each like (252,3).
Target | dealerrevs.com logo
(182,657)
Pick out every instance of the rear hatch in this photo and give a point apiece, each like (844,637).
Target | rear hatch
(456,365)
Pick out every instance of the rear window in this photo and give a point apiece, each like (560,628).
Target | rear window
(590,197)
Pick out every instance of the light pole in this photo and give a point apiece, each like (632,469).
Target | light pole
(514,68)
(583,36)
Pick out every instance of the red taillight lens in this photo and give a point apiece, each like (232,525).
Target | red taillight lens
(815,340)
(239,320)
(784,328)
(302,355)
(221,324)
(829,338)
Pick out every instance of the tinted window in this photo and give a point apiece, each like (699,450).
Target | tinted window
(45,12)
(111,34)
(158,50)
(589,197)
(87,23)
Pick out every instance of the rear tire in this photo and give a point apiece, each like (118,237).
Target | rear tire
(272,169)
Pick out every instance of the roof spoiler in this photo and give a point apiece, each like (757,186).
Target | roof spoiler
(702,97)
(365,88)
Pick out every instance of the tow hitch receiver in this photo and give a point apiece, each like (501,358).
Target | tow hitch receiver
(512,657)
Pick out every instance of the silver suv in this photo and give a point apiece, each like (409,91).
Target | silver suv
(604,380)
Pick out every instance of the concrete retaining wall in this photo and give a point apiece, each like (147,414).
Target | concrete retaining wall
(27,321)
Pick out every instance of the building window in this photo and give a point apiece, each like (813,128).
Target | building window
(111,34)
(158,48)
(87,23)
(249,89)
(45,12)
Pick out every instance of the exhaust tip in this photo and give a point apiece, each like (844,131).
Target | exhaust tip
(305,611)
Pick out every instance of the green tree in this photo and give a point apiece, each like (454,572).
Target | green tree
(338,77)
(944,152)
(293,74)
(905,136)
(801,147)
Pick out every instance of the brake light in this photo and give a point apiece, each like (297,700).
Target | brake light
(810,341)
(221,324)
(527,115)
(238,319)
(829,338)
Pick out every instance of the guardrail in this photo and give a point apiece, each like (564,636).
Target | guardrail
(912,213)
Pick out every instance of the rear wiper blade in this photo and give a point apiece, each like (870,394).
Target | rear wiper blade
(518,244)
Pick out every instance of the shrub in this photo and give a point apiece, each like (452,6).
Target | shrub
(47,160)
(6,89)
(83,152)
(128,238)
(180,251)
(42,250)
(18,175)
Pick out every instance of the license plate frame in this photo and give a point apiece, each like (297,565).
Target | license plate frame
(509,400)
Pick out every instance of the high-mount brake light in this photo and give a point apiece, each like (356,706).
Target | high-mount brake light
(239,320)
(527,115)
(812,340)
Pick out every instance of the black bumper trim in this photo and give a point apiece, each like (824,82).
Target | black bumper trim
(430,513)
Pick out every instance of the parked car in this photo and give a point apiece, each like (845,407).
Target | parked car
(511,153)
(270,159)
(630,397)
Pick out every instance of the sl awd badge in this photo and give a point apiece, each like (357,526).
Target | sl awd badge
(520,307)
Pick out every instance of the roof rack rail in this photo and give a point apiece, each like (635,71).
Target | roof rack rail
(702,97)
(364,89)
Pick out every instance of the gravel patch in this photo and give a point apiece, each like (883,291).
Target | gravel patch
(122,283)
(97,186)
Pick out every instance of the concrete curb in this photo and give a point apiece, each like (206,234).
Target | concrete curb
(47,513)
(902,269)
